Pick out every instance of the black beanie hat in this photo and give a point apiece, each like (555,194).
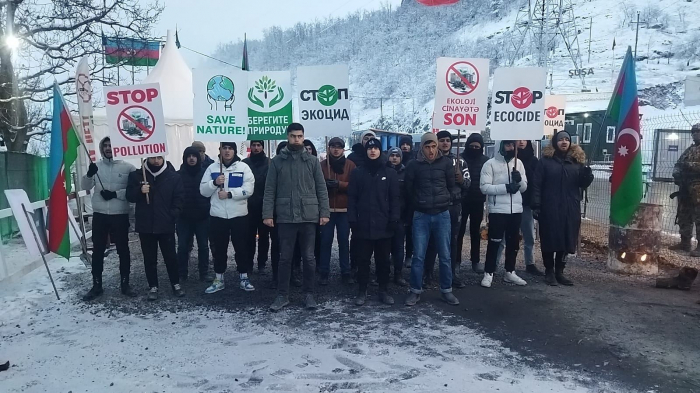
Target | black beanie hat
(231,145)
(444,134)
(374,142)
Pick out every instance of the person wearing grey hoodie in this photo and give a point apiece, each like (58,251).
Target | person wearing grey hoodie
(109,177)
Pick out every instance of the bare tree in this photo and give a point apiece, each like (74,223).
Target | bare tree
(53,36)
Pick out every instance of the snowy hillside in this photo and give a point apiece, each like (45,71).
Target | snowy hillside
(392,52)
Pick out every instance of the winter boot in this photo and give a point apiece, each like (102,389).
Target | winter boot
(549,277)
(456,282)
(696,253)
(412,299)
(126,288)
(96,290)
(384,297)
(533,270)
(347,279)
(559,275)
(279,303)
(684,245)
(310,302)
(177,290)
(450,299)
(361,297)
(323,280)
(153,294)
(398,280)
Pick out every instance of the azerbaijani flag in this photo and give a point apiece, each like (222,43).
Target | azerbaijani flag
(244,63)
(627,186)
(64,151)
(130,51)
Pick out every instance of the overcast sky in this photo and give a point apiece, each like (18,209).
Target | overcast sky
(204,24)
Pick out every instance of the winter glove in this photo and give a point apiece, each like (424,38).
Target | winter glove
(332,184)
(107,194)
(536,213)
(92,169)
(512,188)
(516,177)
(586,176)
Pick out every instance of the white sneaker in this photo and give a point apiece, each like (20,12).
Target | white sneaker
(486,281)
(513,278)
(215,286)
(246,285)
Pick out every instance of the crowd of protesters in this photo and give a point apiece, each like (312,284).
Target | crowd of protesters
(402,209)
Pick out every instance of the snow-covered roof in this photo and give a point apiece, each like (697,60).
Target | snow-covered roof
(175,79)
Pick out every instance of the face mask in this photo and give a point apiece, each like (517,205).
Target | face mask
(509,154)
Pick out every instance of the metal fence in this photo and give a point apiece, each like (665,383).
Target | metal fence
(664,140)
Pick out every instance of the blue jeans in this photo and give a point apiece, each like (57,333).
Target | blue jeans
(527,228)
(437,226)
(339,222)
(186,231)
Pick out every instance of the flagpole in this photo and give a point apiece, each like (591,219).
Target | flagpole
(43,257)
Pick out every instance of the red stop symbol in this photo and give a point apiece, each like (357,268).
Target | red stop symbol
(522,97)
(552,112)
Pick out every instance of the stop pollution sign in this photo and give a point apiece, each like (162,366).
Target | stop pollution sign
(461,94)
(554,114)
(517,104)
(136,123)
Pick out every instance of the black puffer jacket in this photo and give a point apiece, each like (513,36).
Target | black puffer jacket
(403,196)
(166,200)
(556,192)
(259,165)
(529,160)
(474,163)
(373,202)
(430,185)
(197,205)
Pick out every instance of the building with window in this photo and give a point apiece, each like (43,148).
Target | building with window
(596,133)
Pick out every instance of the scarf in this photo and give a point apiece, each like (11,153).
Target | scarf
(373,165)
(337,164)
(291,147)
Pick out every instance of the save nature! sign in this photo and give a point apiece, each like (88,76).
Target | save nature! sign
(269,104)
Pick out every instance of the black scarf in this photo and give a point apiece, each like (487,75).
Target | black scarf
(373,165)
(337,164)
(235,158)
(258,158)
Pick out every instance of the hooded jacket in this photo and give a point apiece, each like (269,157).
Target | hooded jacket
(240,182)
(429,185)
(556,192)
(495,174)
(166,200)
(259,165)
(114,176)
(197,206)
(475,163)
(529,160)
(295,191)
(401,177)
(407,157)
(338,197)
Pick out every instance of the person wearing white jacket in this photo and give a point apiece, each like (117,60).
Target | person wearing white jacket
(229,192)
(502,183)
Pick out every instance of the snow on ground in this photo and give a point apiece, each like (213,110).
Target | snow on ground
(63,346)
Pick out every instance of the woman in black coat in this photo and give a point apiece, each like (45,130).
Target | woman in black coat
(560,177)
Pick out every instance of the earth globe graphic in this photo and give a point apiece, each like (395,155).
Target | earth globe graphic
(220,88)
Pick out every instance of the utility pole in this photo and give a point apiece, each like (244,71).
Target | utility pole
(636,38)
(590,36)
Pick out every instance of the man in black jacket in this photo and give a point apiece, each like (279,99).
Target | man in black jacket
(400,236)
(473,202)
(408,155)
(259,164)
(359,153)
(526,154)
(373,213)
(159,198)
(204,158)
(194,220)
(429,180)
(462,183)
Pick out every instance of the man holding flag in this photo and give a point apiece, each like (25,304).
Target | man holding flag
(627,187)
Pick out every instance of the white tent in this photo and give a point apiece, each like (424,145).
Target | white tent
(175,79)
